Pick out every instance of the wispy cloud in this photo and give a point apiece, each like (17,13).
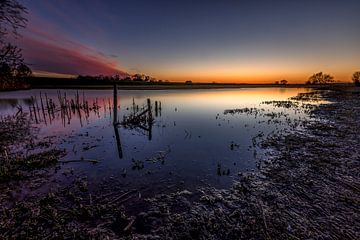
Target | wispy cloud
(47,49)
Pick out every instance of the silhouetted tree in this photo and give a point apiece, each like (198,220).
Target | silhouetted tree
(320,78)
(138,77)
(277,82)
(13,70)
(356,78)
(127,79)
(283,82)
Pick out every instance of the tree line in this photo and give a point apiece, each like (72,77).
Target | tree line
(117,78)
(321,78)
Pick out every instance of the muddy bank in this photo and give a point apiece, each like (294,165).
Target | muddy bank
(21,153)
(307,186)
(26,163)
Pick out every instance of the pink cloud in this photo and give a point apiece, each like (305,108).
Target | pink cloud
(46,49)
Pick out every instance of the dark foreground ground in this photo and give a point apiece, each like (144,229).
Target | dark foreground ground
(306,188)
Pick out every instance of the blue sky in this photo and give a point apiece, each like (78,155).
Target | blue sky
(241,41)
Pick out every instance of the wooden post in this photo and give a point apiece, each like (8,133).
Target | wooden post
(47,103)
(115,123)
(32,101)
(37,107)
(83,98)
(150,118)
(115,104)
(30,112)
(77,99)
(149,109)
(42,108)
(160,108)
(156,108)
(134,110)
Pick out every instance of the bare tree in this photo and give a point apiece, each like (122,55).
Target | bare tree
(11,17)
(13,70)
(356,78)
(320,78)
(10,54)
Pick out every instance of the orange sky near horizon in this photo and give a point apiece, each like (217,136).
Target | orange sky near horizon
(258,78)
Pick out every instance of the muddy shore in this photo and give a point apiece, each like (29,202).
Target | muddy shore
(306,187)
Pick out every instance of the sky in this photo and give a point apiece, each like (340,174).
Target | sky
(244,41)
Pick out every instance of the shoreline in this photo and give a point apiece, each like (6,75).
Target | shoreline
(177,86)
(299,192)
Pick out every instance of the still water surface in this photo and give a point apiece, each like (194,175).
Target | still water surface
(190,142)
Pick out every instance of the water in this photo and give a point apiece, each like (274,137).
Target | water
(190,143)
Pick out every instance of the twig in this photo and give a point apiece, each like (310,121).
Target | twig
(129,225)
(81,160)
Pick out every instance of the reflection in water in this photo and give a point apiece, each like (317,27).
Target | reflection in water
(188,140)
(141,118)
(44,110)
(118,142)
(116,123)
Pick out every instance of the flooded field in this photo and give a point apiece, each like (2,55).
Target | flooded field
(156,140)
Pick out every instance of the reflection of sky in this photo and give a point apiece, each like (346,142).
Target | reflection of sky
(188,126)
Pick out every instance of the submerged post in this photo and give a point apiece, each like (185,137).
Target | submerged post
(150,118)
(115,104)
(149,109)
(118,141)
(156,108)
(116,124)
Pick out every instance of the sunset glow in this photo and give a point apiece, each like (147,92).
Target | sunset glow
(236,42)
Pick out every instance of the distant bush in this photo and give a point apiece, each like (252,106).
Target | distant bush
(284,82)
(320,78)
(356,78)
